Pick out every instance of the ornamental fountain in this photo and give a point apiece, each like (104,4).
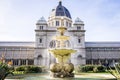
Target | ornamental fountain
(62,68)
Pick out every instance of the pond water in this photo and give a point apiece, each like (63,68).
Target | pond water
(47,77)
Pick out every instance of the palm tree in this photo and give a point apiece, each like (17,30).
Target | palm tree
(4,70)
(116,72)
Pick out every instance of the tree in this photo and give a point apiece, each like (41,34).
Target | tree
(116,72)
(4,70)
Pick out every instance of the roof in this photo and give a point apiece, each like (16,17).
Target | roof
(78,21)
(17,44)
(32,44)
(41,21)
(61,11)
(102,44)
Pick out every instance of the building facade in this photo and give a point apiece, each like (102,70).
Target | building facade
(36,53)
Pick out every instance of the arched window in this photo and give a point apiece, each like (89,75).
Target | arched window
(67,44)
(79,56)
(39,56)
(52,44)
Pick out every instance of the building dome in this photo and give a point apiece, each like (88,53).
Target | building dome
(78,21)
(61,11)
(41,21)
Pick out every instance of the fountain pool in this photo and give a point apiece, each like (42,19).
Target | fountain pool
(44,76)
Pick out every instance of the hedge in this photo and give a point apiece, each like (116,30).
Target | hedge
(29,69)
(90,68)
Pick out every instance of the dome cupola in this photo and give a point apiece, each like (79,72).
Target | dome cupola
(79,24)
(58,15)
(41,21)
(62,11)
(41,24)
(78,21)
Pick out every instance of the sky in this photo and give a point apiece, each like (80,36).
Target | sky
(18,18)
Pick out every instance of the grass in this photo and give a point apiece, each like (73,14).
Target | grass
(18,72)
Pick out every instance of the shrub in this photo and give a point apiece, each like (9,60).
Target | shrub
(95,69)
(20,68)
(78,68)
(12,68)
(33,69)
(29,69)
(90,68)
(85,68)
(100,68)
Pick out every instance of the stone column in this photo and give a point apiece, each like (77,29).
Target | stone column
(35,61)
(19,61)
(26,61)
(99,61)
(92,61)
(106,61)
(113,61)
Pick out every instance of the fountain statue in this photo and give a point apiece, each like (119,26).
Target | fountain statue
(62,53)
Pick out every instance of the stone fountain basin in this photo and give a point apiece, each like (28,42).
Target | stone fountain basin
(62,52)
(63,38)
(45,76)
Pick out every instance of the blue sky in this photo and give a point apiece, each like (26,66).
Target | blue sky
(18,18)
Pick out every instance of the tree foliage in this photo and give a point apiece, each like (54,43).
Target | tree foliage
(4,70)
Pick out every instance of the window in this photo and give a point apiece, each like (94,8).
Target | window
(78,28)
(79,40)
(23,62)
(67,24)
(2,49)
(52,44)
(88,61)
(60,8)
(30,62)
(52,23)
(41,27)
(79,56)
(15,62)
(57,23)
(40,40)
